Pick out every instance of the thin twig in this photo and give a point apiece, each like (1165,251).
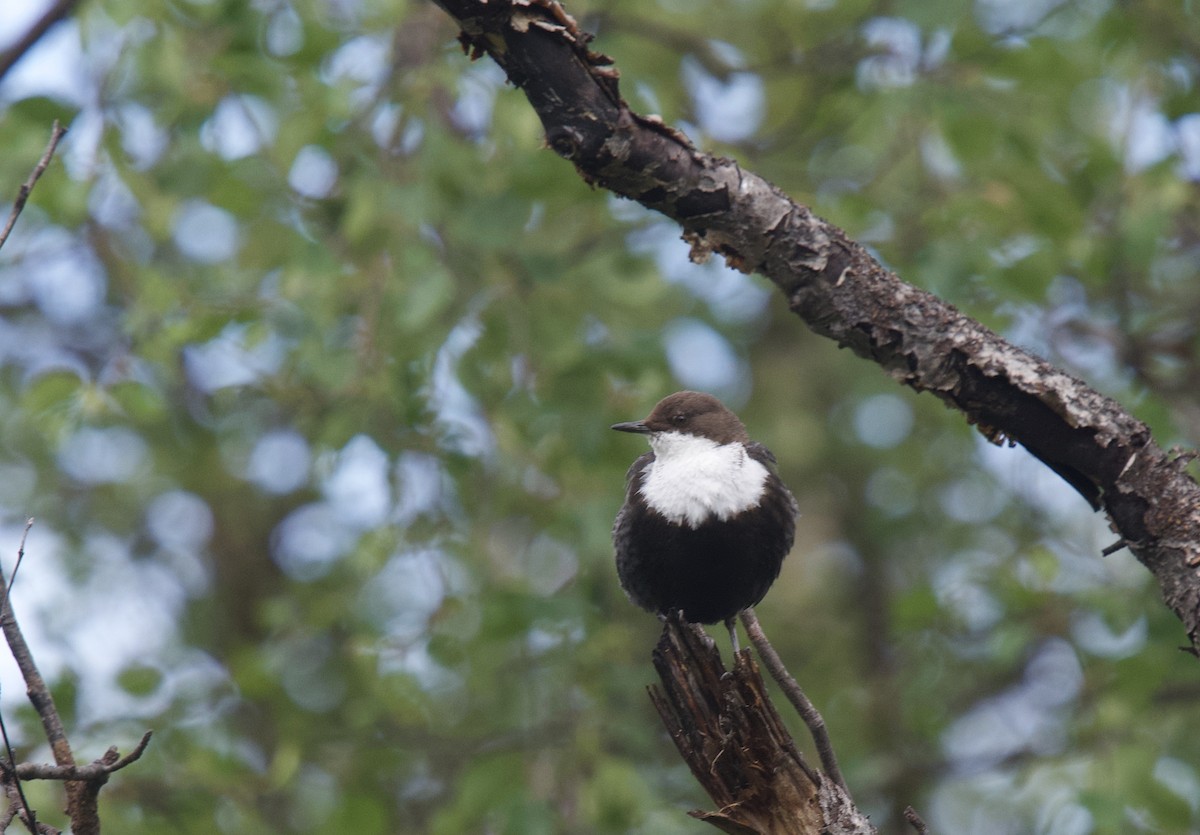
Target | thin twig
(13,810)
(95,770)
(7,818)
(14,802)
(56,134)
(910,815)
(83,784)
(30,818)
(808,712)
(35,686)
(34,33)
(20,558)
(1112,549)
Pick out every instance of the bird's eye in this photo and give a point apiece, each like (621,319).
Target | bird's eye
(680,417)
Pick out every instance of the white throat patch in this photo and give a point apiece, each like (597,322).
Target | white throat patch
(694,479)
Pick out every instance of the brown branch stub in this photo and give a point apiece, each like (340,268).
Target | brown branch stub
(56,134)
(737,746)
(95,771)
(1109,550)
(843,293)
(85,812)
(915,821)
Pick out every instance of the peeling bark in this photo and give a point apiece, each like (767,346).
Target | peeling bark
(841,292)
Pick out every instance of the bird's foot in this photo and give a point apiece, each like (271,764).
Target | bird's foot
(731,625)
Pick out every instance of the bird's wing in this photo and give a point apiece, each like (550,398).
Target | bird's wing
(760,453)
(633,477)
(633,481)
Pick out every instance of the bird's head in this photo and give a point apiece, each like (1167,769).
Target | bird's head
(690,413)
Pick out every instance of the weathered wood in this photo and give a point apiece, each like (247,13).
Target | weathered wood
(737,746)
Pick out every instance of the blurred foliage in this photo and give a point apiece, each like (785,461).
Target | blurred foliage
(309,349)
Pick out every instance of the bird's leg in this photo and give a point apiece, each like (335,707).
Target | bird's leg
(731,625)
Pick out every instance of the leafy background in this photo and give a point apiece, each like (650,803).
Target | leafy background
(309,349)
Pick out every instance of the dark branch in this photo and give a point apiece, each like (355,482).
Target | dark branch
(914,820)
(843,293)
(56,133)
(33,34)
(1112,549)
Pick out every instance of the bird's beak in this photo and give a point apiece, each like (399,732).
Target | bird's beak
(638,426)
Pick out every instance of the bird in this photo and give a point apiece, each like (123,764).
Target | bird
(706,521)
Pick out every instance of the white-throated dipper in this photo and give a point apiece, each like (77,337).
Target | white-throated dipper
(706,521)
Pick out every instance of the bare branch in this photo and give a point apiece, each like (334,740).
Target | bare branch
(97,770)
(15,809)
(16,802)
(56,133)
(10,812)
(35,685)
(53,15)
(842,292)
(914,820)
(83,783)
(16,793)
(795,694)
(1112,549)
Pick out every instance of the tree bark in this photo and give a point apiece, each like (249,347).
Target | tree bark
(736,744)
(840,291)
